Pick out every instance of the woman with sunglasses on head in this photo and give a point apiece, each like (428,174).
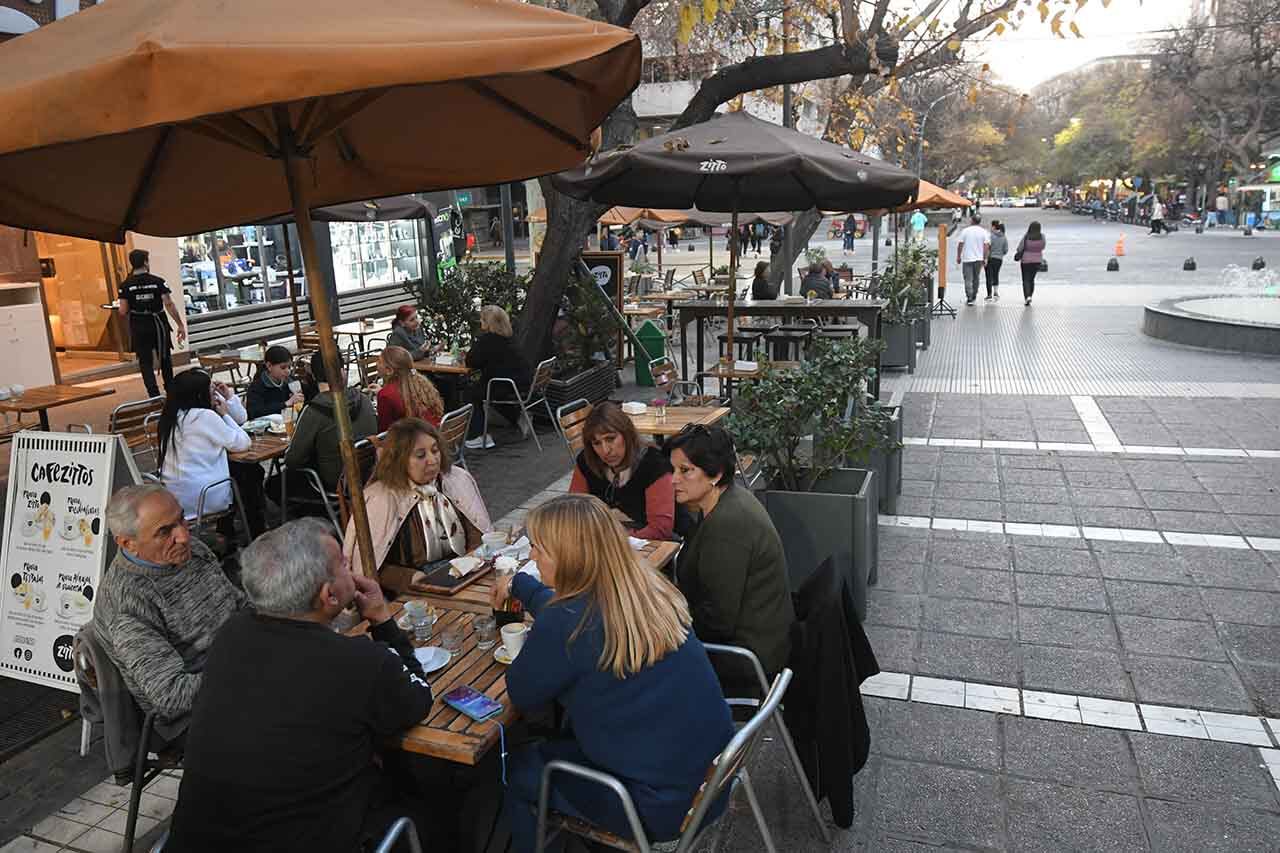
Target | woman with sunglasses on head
(732,568)
(421,507)
(632,478)
(610,643)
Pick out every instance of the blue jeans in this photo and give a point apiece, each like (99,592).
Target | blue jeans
(848,239)
(571,795)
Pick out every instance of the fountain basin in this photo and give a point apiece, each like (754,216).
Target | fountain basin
(1236,323)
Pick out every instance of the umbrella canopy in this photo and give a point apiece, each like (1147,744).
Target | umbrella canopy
(116,114)
(931,196)
(374,210)
(737,162)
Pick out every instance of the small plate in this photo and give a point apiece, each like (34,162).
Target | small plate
(432,658)
(501,656)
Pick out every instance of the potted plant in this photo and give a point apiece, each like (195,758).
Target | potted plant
(802,425)
(903,288)
(453,314)
(584,335)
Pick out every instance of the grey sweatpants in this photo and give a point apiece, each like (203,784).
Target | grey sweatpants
(972,274)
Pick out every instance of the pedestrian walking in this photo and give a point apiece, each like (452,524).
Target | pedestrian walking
(757,235)
(917,222)
(849,232)
(999,248)
(1030,255)
(143,300)
(971,254)
(1157,216)
(775,242)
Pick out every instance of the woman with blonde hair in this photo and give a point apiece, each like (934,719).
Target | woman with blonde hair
(496,357)
(405,393)
(421,508)
(611,643)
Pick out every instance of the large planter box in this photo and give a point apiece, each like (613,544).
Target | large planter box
(837,519)
(899,345)
(595,384)
(924,328)
(888,466)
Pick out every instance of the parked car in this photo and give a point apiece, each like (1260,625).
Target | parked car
(1031,201)
(1017,202)
(1005,201)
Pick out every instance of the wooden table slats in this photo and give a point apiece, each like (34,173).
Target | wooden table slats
(446,733)
(677,418)
(265,447)
(429,365)
(42,398)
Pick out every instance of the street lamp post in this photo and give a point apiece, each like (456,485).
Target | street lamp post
(924,119)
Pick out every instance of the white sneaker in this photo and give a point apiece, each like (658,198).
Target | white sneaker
(484,442)
(995,293)
(526,429)
(986,299)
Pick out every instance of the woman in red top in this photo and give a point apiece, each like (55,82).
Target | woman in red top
(632,478)
(405,392)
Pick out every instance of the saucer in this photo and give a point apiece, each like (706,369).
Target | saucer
(432,658)
(501,656)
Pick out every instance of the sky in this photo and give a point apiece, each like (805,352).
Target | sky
(1033,54)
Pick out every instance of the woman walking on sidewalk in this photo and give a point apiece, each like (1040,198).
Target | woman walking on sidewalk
(1030,254)
(999,248)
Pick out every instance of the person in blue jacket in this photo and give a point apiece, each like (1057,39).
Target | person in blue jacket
(611,643)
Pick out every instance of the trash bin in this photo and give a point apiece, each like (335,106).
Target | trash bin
(654,341)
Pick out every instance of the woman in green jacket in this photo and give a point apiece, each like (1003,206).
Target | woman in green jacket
(732,569)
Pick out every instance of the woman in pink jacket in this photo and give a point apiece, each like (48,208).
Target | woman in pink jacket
(421,508)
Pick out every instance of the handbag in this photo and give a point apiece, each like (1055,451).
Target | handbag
(1044,266)
(1017,256)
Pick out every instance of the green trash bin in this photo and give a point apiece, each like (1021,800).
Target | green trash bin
(654,341)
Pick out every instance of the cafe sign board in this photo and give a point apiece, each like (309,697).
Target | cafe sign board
(56,545)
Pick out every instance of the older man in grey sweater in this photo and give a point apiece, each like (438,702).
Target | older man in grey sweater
(162,600)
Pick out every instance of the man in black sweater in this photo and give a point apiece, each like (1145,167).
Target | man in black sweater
(280,752)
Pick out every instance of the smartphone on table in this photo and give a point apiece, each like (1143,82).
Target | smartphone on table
(472,702)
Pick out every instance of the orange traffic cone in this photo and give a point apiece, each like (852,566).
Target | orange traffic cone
(1120,247)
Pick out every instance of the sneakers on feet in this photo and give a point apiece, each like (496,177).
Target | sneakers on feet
(484,442)
(1026,302)
(986,299)
(995,294)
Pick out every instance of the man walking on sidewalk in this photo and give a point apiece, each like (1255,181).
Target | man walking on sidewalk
(143,300)
(972,251)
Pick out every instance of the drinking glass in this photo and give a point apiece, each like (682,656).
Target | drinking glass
(451,640)
(421,622)
(486,632)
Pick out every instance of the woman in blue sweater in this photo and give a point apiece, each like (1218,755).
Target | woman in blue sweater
(611,643)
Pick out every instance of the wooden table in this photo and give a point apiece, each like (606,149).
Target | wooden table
(446,733)
(678,417)
(865,311)
(358,329)
(649,312)
(268,447)
(430,365)
(42,398)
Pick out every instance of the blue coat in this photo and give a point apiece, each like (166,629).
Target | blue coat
(656,730)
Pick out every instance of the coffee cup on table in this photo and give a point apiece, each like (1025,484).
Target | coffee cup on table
(513,638)
(492,542)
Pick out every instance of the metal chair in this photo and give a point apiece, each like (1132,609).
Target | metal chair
(237,506)
(404,826)
(699,278)
(137,422)
(570,420)
(783,732)
(318,496)
(537,396)
(453,429)
(366,455)
(87,657)
(727,770)
(749,469)
(367,368)
(680,392)
(670,280)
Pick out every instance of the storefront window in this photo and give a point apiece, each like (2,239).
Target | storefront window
(246,265)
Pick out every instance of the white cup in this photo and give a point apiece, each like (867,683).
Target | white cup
(493,541)
(4,392)
(17,390)
(513,638)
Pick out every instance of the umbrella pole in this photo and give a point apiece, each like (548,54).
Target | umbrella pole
(734,248)
(295,164)
(293,287)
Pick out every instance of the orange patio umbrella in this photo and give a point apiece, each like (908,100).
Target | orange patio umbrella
(174,117)
(931,196)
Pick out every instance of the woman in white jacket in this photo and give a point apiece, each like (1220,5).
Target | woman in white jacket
(199,426)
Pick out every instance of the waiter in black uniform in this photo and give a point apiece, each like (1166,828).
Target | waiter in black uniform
(144,298)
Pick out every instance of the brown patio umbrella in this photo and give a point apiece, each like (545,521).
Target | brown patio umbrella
(172,117)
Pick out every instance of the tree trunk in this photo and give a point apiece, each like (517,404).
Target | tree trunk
(569,221)
(806,222)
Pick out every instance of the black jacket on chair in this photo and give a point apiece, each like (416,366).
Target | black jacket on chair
(830,656)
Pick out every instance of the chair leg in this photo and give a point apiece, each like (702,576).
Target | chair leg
(86,734)
(755,810)
(533,432)
(139,778)
(804,780)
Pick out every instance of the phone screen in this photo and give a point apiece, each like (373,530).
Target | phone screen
(472,702)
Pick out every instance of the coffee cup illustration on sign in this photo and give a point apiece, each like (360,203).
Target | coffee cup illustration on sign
(70,528)
(29,595)
(29,526)
(74,604)
(44,517)
(89,528)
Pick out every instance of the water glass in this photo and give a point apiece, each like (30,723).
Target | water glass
(486,631)
(451,639)
(422,623)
